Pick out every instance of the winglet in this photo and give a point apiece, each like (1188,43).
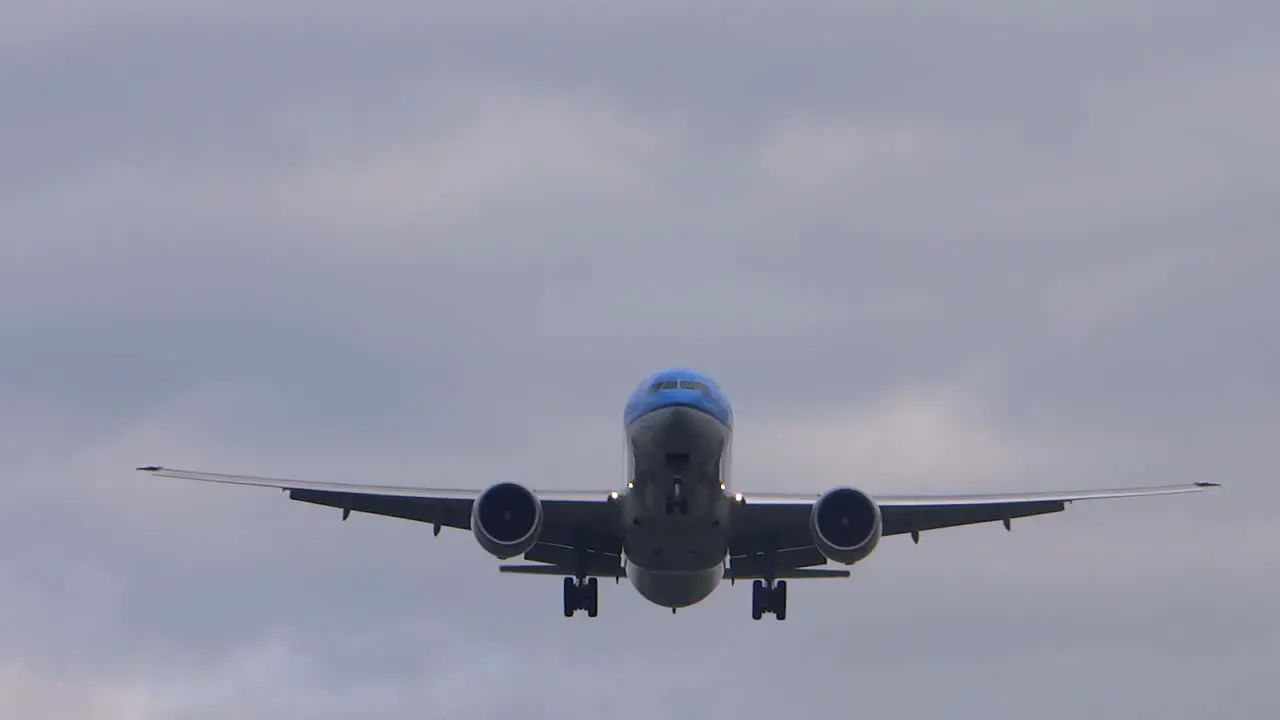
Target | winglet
(151,468)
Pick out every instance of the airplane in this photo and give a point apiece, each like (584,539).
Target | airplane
(677,528)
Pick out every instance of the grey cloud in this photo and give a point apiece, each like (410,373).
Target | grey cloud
(870,60)
(963,246)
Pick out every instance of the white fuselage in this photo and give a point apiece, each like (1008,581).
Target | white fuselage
(675,508)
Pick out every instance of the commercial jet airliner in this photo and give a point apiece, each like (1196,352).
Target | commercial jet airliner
(676,527)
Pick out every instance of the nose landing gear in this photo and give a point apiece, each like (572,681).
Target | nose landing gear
(678,464)
(677,502)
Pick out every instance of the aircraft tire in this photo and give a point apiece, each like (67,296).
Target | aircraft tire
(757,600)
(570,597)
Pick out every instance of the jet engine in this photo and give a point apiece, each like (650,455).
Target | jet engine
(846,525)
(506,520)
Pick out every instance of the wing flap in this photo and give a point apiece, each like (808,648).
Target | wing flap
(559,571)
(764,521)
(446,512)
(291,484)
(1054,496)
(755,565)
(898,519)
(792,574)
(571,516)
(604,554)
(389,490)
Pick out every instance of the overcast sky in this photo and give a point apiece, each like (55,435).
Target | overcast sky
(945,246)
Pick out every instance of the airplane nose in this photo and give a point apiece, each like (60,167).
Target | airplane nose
(677,420)
(680,427)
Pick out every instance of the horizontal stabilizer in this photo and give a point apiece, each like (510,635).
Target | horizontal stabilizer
(790,574)
(555,570)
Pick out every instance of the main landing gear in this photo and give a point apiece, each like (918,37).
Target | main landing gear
(769,597)
(581,594)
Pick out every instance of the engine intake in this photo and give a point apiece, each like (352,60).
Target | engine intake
(506,520)
(846,525)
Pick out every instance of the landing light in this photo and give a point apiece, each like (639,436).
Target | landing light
(614,495)
(737,497)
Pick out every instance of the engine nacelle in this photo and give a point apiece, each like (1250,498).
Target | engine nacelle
(846,525)
(506,520)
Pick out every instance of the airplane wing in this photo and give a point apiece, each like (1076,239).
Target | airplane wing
(771,522)
(583,519)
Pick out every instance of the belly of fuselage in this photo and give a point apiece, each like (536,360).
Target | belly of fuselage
(676,508)
(675,589)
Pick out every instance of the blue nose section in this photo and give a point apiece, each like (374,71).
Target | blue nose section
(679,397)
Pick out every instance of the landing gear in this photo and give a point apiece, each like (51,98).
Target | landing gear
(581,595)
(769,597)
(677,503)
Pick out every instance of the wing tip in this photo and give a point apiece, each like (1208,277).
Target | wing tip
(150,468)
(1207,484)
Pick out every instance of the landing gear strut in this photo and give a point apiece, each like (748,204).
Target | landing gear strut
(769,597)
(581,595)
(677,502)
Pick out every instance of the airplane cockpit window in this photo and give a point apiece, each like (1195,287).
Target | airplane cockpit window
(695,385)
